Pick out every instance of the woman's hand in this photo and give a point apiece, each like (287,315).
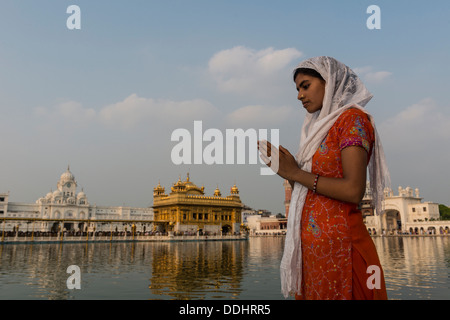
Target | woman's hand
(281,161)
(349,188)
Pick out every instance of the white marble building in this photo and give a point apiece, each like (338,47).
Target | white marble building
(71,209)
(405,213)
(246,213)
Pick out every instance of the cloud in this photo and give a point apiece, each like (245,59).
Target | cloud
(372,76)
(239,70)
(418,125)
(245,71)
(416,144)
(70,110)
(40,111)
(135,110)
(377,77)
(75,111)
(131,112)
(68,113)
(260,116)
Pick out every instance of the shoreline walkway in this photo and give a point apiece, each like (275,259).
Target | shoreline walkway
(128,238)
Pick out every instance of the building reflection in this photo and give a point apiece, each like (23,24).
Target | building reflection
(413,265)
(29,262)
(174,270)
(190,270)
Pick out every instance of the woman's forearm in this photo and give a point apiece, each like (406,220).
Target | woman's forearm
(341,189)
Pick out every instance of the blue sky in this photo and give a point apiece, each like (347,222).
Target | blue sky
(105,99)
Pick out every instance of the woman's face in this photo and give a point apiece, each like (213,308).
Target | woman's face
(311,91)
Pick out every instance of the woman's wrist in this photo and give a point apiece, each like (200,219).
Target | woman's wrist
(293,174)
(304,178)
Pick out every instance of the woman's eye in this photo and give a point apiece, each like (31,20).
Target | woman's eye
(306,86)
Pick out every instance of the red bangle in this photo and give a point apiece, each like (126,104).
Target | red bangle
(315,183)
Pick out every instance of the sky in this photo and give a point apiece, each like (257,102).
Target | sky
(106,98)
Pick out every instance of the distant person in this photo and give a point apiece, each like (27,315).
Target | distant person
(328,249)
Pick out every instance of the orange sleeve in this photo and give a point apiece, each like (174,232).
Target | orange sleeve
(355,129)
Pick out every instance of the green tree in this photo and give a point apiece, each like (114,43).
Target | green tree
(444,212)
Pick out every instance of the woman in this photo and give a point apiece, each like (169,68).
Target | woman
(329,253)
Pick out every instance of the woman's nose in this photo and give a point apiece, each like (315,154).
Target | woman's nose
(300,96)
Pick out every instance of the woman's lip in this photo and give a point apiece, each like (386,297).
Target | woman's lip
(305,104)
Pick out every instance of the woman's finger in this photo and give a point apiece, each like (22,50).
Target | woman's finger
(264,147)
(265,159)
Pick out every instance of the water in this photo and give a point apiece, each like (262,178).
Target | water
(415,268)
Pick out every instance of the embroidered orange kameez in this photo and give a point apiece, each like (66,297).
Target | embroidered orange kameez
(336,246)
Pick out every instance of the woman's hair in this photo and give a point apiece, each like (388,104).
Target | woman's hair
(308,72)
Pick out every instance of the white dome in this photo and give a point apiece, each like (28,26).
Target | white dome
(67,176)
(49,195)
(57,193)
(81,195)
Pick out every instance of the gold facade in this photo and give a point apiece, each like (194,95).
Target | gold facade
(188,210)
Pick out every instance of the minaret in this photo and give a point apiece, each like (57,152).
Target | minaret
(287,196)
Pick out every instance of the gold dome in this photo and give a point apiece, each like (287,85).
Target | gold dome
(158,190)
(187,187)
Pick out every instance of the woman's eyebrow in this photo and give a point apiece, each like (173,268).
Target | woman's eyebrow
(302,83)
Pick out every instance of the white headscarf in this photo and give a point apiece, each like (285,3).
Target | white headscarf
(343,90)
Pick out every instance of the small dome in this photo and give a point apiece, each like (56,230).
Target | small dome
(189,183)
(234,190)
(158,187)
(217,192)
(158,190)
(57,193)
(81,194)
(49,195)
(67,176)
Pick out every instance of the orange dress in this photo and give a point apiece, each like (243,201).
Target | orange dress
(336,246)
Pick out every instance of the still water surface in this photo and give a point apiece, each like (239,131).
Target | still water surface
(415,268)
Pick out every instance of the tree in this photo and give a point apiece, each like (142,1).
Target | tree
(444,212)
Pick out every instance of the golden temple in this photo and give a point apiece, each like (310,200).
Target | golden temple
(187,210)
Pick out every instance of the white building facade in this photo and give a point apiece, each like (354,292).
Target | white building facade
(405,213)
(266,226)
(67,209)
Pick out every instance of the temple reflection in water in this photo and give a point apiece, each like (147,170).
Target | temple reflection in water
(414,267)
(189,269)
(149,270)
